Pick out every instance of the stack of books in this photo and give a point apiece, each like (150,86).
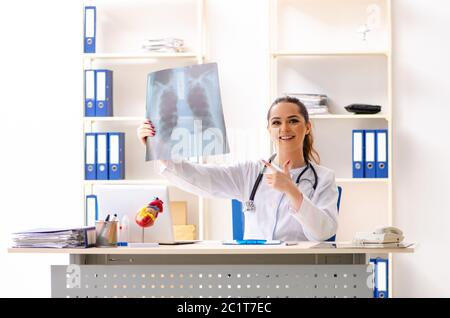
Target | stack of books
(316,104)
(55,238)
(164,45)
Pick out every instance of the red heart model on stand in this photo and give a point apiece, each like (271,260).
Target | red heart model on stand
(146,216)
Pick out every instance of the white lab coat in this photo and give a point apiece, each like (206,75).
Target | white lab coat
(274,218)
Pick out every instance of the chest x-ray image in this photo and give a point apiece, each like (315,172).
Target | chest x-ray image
(185,107)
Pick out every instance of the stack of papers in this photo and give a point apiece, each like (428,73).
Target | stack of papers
(316,104)
(55,238)
(165,45)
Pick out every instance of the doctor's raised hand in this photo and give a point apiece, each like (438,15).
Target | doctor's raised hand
(146,129)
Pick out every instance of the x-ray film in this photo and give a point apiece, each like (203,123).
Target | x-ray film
(185,107)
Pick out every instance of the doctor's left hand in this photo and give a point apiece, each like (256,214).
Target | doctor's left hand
(280,179)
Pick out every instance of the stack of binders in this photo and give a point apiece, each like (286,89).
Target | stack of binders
(98,93)
(370,153)
(104,156)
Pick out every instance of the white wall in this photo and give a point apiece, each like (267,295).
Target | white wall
(422,150)
(40,133)
(41,138)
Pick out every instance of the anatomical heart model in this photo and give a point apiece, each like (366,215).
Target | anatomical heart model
(185,107)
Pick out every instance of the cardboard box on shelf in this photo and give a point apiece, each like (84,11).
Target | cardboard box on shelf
(184,232)
(178,209)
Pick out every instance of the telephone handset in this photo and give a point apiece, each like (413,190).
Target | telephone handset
(382,235)
(389,230)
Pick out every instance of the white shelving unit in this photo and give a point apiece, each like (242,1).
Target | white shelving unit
(122,182)
(311,49)
(125,56)
(315,48)
(327,53)
(116,34)
(336,116)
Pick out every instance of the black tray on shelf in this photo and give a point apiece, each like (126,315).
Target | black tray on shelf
(363,109)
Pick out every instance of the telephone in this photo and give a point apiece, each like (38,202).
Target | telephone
(382,235)
(389,230)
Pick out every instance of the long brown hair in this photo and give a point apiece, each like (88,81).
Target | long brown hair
(309,153)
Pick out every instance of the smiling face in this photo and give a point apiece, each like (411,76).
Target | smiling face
(287,127)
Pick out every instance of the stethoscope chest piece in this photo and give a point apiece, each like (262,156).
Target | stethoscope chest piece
(249,206)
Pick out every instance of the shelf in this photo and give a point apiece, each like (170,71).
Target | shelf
(327,53)
(327,116)
(165,182)
(127,182)
(362,180)
(350,116)
(112,118)
(129,56)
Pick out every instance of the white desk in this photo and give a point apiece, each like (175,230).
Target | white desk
(210,269)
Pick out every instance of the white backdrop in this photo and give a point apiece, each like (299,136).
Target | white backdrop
(422,149)
(41,140)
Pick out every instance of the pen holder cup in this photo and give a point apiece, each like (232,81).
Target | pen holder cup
(106,233)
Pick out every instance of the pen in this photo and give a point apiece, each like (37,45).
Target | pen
(112,229)
(103,228)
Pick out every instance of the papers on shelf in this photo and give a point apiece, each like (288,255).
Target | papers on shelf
(316,104)
(55,238)
(166,45)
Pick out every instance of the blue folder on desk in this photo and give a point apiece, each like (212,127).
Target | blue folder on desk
(91,210)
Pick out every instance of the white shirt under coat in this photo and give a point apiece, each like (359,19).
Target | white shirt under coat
(274,218)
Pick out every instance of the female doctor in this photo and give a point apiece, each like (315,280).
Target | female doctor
(289,197)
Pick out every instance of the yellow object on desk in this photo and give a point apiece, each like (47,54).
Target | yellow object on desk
(184,232)
(178,210)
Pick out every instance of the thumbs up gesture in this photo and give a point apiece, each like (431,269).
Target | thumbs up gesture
(279,179)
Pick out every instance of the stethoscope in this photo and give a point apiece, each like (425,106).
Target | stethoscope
(250,204)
